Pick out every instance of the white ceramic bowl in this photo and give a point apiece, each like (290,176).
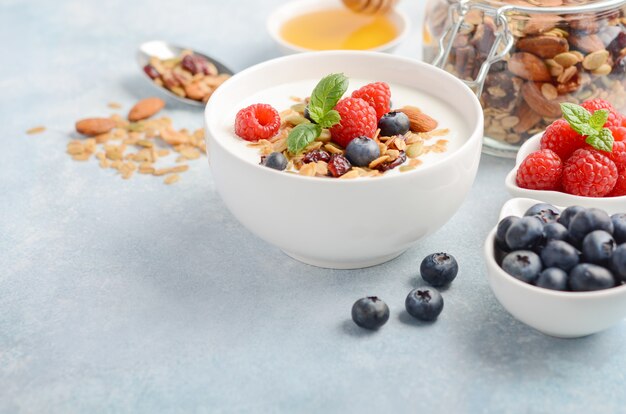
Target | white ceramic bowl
(289,10)
(556,198)
(343,223)
(560,314)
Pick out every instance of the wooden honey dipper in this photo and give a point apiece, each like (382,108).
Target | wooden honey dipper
(370,6)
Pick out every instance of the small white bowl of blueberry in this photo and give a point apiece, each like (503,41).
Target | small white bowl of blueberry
(559,270)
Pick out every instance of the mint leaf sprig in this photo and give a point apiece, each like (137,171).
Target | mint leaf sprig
(324,97)
(591,125)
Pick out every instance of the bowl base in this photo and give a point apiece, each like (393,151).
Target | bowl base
(344,264)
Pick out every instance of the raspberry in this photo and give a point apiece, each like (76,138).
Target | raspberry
(620,185)
(540,170)
(618,156)
(589,173)
(615,119)
(258,121)
(376,94)
(619,133)
(358,118)
(562,139)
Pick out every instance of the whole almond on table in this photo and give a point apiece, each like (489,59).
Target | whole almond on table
(94,126)
(145,109)
(419,121)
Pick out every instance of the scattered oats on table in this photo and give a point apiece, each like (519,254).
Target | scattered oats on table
(140,146)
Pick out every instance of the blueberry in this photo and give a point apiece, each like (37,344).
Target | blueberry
(586,221)
(424,304)
(361,151)
(598,247)
(394,123)
(552,278)
(587,276)
(439,269)
(370,312)
(503,226)
(555,231)
(523,265)
(525,233)
(275,160)
(547,213)
(618,262)
(557,253)
(568,213)
(619,227)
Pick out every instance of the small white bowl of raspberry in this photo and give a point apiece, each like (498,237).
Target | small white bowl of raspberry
(587,177)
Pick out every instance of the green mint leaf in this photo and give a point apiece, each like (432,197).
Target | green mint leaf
(331,118)
(326,94)
(602,141)
(598,119)
(301,136)
(578,118)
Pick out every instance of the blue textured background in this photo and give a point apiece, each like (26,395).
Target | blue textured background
(133,296)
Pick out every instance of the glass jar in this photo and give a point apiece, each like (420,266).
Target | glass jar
(524,57)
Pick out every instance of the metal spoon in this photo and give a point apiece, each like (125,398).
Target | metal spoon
(164,50)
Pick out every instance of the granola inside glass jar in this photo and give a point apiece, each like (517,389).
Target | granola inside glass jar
(524,57)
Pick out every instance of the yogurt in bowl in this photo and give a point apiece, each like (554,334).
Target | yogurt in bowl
(344,223)
(401,151)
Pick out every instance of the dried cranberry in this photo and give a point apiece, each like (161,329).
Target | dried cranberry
(338,165)
(196,64)
(315,156)
(617,44)
(151,71)
(393,164)
(619,68)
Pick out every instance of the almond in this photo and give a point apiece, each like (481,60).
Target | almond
(587,42)
(527,118)
(545,47)
(529,67)
(419,121)
(94,126)
(541,23)
(531,92)
(145,109)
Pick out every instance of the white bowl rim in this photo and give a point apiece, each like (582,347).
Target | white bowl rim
(273,23)
(532,145)
(475,134)
(489,251)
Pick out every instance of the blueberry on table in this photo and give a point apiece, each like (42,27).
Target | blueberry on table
(586,221)
(557,253)
(555,231)
(568,213)
(501,230)
(598,247)
(525,233)
(424,304)
(552,278)
(394,123)
(439,269)
(618,262)
(370,312)
(619,227)
(547,213)
(275,160)
(586,277)
(523,265)
(361,151)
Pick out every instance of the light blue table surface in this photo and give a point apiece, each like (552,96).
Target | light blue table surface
(133,296)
